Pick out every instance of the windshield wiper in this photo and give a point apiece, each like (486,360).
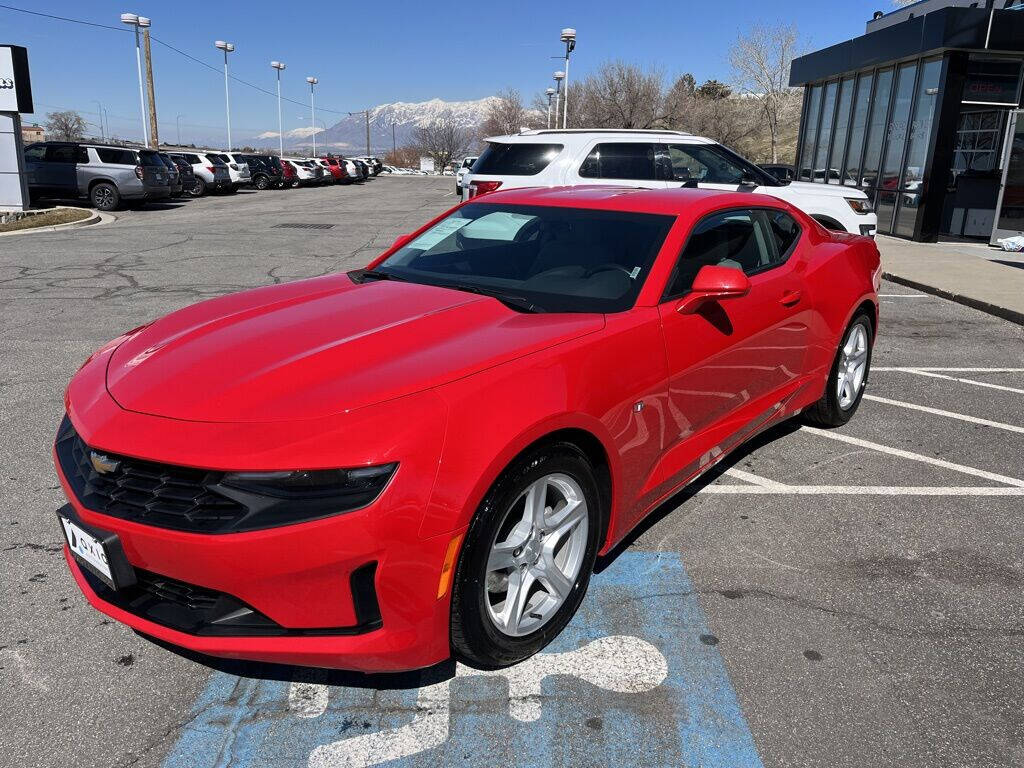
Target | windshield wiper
(361,275)
(508,299)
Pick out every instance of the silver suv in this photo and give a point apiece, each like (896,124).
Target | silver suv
(107,176)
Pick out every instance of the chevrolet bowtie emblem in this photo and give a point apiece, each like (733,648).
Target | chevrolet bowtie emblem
(103,465)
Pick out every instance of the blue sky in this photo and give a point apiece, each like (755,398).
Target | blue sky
(371,53)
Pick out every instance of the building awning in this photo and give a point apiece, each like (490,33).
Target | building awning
(970,29)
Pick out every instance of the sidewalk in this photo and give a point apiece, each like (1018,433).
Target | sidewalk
(967,273)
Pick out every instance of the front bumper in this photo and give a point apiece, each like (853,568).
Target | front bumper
(307,580)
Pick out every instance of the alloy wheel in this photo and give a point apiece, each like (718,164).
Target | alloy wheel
(536,556)
(853,364)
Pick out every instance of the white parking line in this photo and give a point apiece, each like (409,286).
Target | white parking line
(963,469)
(933,374)
(863,490)
(902,296)
(750,477)
(947,414)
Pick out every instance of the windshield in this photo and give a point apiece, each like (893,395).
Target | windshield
(551,258)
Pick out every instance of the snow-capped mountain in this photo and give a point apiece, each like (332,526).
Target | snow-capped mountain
(349,133)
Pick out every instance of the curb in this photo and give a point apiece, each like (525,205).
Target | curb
(1003,313)
(96,218)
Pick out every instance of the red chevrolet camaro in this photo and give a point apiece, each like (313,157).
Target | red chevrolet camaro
(378,469)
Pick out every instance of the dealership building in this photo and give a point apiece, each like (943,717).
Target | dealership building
(923,113)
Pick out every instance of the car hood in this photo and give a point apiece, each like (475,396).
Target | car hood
(810,189)
(319,347)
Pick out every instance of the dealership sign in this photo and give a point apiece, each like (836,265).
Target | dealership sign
(15,88)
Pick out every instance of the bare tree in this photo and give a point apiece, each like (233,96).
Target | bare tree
(444,140)
(760,64)
(65,126)
(403,157)
(618,95)
(506,114)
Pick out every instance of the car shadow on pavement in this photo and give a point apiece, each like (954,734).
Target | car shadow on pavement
(673,503)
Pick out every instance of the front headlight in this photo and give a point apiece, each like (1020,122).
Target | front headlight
(281,498)
(859,204)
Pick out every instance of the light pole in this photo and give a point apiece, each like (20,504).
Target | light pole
(177,123)
(279,65)
(550,93)
(569,38)
(103,134)
(559,77)
(312,110)
(227,48)
(134,20)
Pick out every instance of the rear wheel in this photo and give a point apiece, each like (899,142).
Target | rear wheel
(104,196)
(261,182)
(528,556)
(848,377)
(199,188)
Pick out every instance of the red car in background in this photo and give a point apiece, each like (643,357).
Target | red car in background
(336,168)
(289,176)
(378,469)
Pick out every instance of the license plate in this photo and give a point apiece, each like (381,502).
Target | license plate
(87,549)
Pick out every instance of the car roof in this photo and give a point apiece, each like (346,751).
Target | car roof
(579,135)
(673,201)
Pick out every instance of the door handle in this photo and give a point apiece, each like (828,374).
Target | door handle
(789,298)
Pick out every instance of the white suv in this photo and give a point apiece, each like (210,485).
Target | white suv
(460,175)
(238,168)
(654,159)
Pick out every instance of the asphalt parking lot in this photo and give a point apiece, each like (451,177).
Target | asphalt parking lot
(843,598)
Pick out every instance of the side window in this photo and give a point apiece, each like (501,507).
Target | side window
(783,233)
(194,159)
(620,161)
(734,239)
(65,153)
(36,153)
(702,163)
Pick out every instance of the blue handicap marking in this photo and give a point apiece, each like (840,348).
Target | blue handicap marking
(629,682)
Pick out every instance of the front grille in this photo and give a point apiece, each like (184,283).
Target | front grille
(164,495)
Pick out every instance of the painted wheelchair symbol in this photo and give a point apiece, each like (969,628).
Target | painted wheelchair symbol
(619,663)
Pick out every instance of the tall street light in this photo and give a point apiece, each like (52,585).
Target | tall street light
(227,48)
(279,65)
(559,77)
(177,123)
(550,93)
(134,20)
(569,38)
(103,133)
(312,110)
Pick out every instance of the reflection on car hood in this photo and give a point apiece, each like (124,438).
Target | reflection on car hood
(808,188)
(318,347)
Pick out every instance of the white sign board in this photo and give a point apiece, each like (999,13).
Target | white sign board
(15,97)
(427,164)
(8,81)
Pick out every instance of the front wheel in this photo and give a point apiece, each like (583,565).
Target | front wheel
(104,197)
(261,182)
(847,378)
(528,556)
(199,188)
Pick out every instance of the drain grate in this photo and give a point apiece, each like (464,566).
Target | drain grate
(299,225)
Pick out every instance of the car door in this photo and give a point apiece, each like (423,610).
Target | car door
(627,163)
(734,360)
(61,169)
(708,166)
(35,171)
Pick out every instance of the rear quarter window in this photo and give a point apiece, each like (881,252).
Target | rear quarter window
(516,159)
(116,156)
(151,159)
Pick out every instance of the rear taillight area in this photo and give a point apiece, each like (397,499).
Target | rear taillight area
(139,172)
(210,168)
(482,187)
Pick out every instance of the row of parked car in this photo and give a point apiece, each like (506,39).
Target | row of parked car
(111,177)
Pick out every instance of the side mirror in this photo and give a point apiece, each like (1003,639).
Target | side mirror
(713,284)
(748,179)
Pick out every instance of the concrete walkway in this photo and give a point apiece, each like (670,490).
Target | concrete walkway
(972,274)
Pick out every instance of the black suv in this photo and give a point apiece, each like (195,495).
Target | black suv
(266,171)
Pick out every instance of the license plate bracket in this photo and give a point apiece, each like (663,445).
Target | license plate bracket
(97,551)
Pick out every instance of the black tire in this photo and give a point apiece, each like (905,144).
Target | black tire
(199,188)
(104,196)
(475,638)
(828,412)
(261,182)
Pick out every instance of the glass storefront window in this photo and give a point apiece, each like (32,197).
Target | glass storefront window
(821,169)
(1011,214)
(876,128)
(918,138)
(977,142)
(851,173)
(899,125)
(842,130)
(810,133)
